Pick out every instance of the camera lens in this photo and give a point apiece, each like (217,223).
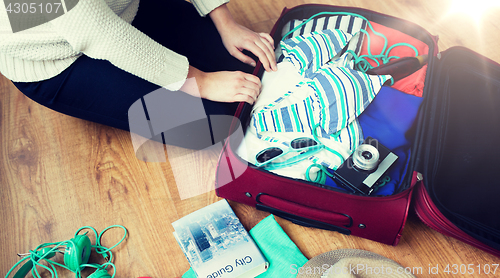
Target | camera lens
(365,157)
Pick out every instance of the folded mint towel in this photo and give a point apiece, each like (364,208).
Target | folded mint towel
(282,254)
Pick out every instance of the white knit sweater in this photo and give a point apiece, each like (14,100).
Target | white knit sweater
(100,29)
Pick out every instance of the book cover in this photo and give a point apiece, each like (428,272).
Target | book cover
(217,245)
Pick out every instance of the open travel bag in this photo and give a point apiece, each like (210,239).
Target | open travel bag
(435,132)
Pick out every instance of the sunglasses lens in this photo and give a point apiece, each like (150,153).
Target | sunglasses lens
(301,143)
(269,154)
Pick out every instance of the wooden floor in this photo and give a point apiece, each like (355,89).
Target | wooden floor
(58,173)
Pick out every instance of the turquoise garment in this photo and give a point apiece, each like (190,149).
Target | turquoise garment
(280,251)
(189,274)
(283,255)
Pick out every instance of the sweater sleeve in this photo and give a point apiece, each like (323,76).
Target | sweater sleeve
(92,28)
(204,7)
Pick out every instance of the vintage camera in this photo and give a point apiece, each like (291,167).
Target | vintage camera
(364,168)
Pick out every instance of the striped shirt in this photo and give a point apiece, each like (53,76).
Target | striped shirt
(332,94)
(347,24)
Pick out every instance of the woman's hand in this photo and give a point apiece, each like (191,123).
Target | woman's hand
(237,38)
(222,86)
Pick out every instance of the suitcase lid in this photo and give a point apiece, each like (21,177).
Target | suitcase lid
(458,151)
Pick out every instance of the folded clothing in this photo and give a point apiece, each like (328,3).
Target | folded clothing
(278,248)
(325,102)
(389,119)
(346,24)
(413,84)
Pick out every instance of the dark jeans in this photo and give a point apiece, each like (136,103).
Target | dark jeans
(97,91)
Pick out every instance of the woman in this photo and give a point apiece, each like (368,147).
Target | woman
(102,56)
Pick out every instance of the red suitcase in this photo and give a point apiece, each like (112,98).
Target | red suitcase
(453,179)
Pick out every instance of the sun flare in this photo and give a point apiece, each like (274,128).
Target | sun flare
(475,8)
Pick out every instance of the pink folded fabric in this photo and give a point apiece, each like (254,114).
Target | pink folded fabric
(413,84)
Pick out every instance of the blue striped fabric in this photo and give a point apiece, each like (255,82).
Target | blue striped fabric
(308,53)
(343,93)
(333,93)
(346,23)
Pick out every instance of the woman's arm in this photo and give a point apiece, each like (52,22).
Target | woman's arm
(232,86)
(117,41)
(223,86)
(106,36)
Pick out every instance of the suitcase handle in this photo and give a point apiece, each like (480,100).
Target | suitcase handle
(309,217)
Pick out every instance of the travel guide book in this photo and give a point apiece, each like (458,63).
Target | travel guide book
(217,245)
